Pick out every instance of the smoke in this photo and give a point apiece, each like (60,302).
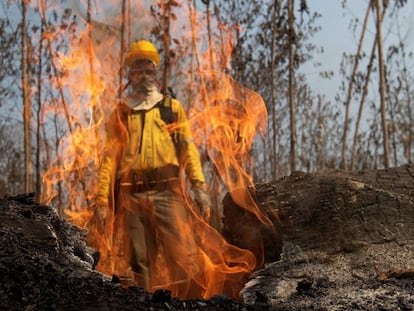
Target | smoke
(107,18)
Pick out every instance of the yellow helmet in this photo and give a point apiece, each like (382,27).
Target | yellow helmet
(142,50)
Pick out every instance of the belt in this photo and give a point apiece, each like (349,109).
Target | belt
(151,179)
(159,186)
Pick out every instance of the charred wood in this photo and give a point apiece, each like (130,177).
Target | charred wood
(341,240)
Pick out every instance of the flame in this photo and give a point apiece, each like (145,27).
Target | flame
(229,116)
(225,118)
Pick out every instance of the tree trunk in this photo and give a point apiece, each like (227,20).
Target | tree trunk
(122,48)
(382,87)
(350,89)
(274,128)
(334,233)
(27,113)
(362,101)
(292,42)
(166,12)
(39,123)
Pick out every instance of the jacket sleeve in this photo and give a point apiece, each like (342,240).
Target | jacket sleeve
(108,168)
(104,180)
(187,149)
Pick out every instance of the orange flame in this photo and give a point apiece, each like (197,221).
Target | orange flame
(229,116)
(225,118)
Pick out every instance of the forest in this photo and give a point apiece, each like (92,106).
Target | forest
(237,67)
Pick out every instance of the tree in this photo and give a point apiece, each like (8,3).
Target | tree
(400,94)
(26,97)
(350,89)
(263,45)
(382,85)
(292,113)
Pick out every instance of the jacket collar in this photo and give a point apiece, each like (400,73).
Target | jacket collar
(153,98)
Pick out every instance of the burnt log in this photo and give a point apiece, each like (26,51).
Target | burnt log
(340,241)
(45,264)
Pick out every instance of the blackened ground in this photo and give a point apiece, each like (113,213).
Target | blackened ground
(340,241)
(45,264)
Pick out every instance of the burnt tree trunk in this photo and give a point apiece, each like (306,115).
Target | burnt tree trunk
(339,236)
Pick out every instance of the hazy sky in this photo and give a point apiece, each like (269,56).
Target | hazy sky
(336,36)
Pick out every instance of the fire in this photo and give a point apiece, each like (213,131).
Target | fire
(225,118)
(229,116)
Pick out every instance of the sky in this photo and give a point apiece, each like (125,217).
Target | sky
(336,37)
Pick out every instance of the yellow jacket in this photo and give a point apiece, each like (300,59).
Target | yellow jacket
(142,140)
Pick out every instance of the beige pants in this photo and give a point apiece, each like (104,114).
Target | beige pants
(163,247)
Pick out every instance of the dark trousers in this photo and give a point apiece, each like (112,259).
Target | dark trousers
(163,250)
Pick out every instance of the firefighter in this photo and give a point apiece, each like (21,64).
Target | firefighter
(148,141)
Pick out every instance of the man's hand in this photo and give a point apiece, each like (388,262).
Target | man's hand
(202,199)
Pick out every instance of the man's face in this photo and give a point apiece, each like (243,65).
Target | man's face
(141,76)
